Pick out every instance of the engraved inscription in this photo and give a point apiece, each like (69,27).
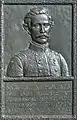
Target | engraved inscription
(38,98)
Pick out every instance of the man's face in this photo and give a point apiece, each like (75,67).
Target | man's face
(40,28)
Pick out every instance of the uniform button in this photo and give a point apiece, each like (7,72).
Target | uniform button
(39,61)
(39,65)
(36,54)
(54,61)
(40,70)
(56,70)
(12,61)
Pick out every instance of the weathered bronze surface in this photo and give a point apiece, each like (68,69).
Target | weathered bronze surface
(38,59)
(40,83)
(35,98)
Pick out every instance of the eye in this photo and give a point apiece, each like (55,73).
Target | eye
(46,24)
(36,25)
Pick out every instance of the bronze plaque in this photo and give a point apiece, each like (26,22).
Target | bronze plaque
(38,59)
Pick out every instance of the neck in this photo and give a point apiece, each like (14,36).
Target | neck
(36,46)
(40,45)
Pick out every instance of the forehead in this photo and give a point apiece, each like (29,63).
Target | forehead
(41,18)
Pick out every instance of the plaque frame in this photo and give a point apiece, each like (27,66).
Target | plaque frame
(73,79)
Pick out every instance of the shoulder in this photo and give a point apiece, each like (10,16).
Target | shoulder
(21,54)
(57,54)
(62,63)
(61,59)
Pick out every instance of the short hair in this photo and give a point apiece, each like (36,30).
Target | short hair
(36,11)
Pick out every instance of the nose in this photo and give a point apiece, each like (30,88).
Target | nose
(42,28)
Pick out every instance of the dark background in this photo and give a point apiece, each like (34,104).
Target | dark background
(16,39)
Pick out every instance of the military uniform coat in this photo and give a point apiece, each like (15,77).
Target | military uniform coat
(37,61)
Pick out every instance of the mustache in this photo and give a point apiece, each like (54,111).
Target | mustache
(42,35)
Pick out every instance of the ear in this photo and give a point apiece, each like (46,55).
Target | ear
(52,23)
(25,26)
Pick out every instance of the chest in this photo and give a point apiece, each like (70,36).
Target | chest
(41,64)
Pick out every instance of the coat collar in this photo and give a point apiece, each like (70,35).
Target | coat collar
(37,47)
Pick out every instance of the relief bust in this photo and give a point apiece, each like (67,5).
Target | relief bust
(38,59)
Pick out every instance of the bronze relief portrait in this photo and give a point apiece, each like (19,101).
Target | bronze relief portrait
(38,59)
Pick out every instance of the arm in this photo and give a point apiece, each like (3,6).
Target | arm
(64,66)
(15,67)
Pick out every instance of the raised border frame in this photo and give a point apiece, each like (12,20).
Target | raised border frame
(73,3)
